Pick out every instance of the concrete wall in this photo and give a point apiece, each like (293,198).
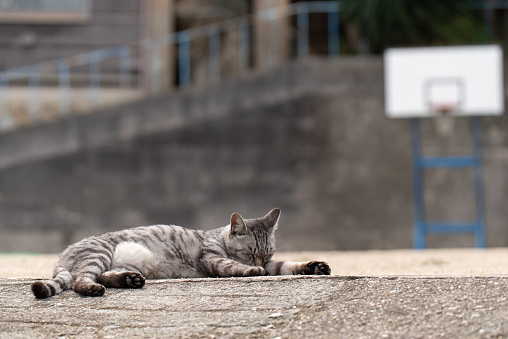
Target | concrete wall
(309,137)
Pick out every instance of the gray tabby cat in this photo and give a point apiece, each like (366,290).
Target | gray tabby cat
(125,258)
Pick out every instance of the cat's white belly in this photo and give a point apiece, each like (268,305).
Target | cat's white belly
(139,256)
(134,254)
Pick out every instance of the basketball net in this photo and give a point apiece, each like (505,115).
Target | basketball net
(444,118)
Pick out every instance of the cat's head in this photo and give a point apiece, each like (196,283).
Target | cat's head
(252,241)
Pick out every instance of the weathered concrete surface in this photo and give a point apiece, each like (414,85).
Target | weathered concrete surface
(448,261)
(267,307)
(466,297)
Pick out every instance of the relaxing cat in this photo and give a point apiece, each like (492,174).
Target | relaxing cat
(125,258)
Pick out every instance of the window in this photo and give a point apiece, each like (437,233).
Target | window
(45,11)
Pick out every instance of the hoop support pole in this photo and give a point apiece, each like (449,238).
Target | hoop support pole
(421,227)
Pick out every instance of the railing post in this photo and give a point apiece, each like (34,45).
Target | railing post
(333,29)
(243,43)
(184,58)
(94,60)
(63,83)
(302,21)
(5,118)
(273,37)
(34,102)
(155,66)
(125,67)
(214,53)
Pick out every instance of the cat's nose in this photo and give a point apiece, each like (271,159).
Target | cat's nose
(258,261)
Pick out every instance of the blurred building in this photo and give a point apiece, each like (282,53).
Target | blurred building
(37,33)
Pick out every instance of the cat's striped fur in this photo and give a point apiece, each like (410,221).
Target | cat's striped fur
(125,258)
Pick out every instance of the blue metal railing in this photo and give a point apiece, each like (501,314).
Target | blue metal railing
(90,65)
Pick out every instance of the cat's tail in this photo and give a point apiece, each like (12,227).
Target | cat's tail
(62,281)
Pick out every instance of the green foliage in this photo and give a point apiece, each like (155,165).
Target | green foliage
(385,23)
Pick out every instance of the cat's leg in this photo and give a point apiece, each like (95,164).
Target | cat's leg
(122,278)
(62,281)
(85,274)
(294,268)
(218,266)
(85,261)
(87,286)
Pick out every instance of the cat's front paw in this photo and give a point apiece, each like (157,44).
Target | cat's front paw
(254,271)
(316,268)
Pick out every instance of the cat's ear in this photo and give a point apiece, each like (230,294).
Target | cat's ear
(272,219)
(238,226)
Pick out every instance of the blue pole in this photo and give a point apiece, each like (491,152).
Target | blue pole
(184,62)
(214,53)
(5,121)
(63,83)
(183,58)
(273,39)
(94,69)
(244,44)
(419,211)
(479,189)
(125,67)
(302,21)
(155,76)
(333,30)
(34,84)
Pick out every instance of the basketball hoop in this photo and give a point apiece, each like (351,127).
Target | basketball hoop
(444,120)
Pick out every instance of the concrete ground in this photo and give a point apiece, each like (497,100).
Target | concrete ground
(392,294)
(371,263)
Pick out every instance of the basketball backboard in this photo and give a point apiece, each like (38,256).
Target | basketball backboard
(466,80)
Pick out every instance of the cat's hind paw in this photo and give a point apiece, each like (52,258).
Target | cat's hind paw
(126,279)
(254,271)
(316,268)
(90,290)
(134,279)
(96,290)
